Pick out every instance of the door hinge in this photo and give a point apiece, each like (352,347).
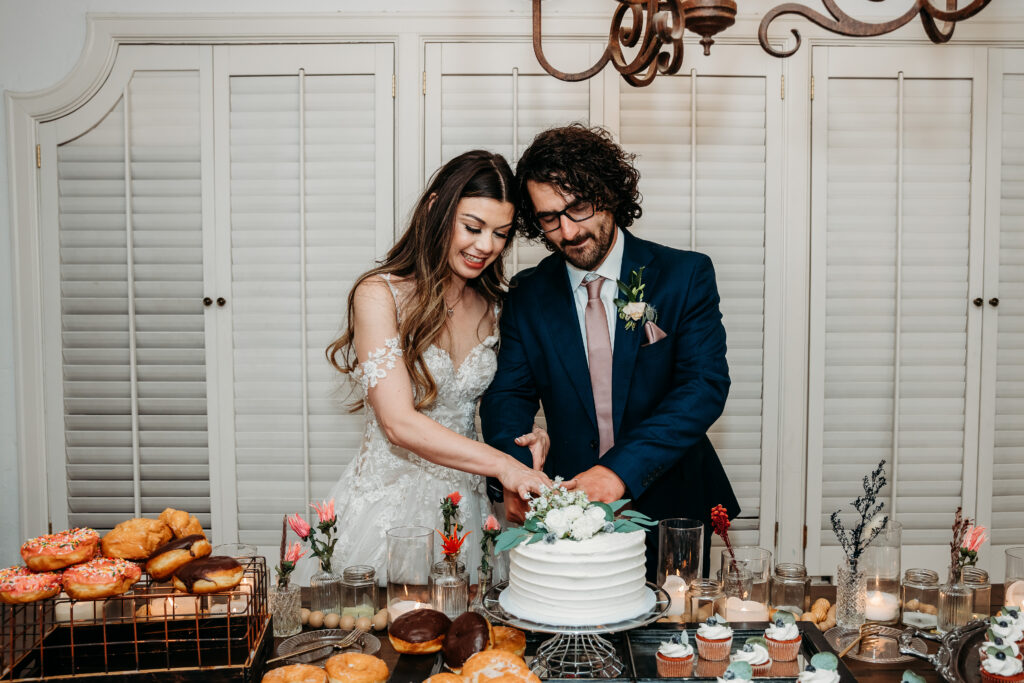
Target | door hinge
(424,82)
(805,537)
(776,534)
(812,87)
(39,156)
(782,87)
(392,86)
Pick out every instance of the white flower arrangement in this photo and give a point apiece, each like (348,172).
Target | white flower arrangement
(558,513)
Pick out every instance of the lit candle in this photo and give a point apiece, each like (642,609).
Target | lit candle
(397,609)
(180,606)
(881,606)
(239,601)
(676,588)
(1015,595)
(737,609)
(80,610)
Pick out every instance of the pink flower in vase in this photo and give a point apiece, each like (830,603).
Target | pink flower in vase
(325,510)
(974,538)
(491,524)
(294,554)
(299,526)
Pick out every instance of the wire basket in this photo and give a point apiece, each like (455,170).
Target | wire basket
(151,628)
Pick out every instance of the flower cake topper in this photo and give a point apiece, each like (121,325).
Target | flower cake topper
(558,513)
(633,309)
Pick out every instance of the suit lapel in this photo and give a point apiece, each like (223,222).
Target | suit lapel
(627,342)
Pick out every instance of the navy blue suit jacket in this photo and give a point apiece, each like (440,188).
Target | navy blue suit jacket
(665,395)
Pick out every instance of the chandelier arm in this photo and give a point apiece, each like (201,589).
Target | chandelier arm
(840,22)
(538,52)
(645,79)
(952,14)
(628,36)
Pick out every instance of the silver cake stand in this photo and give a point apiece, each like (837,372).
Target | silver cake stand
(575,651)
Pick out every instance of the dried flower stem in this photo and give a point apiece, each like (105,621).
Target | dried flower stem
(855,541)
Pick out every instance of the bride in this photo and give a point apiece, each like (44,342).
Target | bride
(420,341)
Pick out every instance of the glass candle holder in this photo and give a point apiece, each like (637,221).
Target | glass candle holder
(286,608)
(359,591)
(410,555)
(976,579)
(706,599)
(680,542)
(881,565)
(790,588)
(920,598)
(750,605)
(1014,578)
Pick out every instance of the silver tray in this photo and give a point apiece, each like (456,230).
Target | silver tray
(883,647)
(367,644)
(957,659)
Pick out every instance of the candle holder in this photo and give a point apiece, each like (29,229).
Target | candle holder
(680,541)
(791,588)
(706,599)
(410,555)
(1014,578)
(920,598)
(359,591)
(746,603)
(881,566)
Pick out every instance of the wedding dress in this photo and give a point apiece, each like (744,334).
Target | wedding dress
(386,486)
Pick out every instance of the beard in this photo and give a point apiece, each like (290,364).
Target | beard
(588,250)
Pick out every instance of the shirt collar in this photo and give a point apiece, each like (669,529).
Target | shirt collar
(611,268)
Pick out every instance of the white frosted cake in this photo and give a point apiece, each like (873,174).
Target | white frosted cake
(599,580)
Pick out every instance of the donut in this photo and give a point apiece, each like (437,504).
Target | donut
(100,578)
(181,524)
(172,556)
(209,575)
(469,633)
(444,677)
(56,551)
(18,584)
(296,673)
(136,539)
(419,632)
(510,639)
(497,664)
(353,667)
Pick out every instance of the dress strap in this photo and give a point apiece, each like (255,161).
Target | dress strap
(394,293)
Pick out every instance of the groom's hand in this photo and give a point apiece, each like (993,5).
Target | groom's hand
(601,484)
(515,507)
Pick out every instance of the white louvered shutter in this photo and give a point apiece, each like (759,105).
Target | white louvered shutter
(702,148)
(891,350)
(130,231)
(310,159)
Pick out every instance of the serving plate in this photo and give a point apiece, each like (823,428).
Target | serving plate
(957,659)
(367,644)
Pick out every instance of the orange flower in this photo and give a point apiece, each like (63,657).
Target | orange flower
(451,545)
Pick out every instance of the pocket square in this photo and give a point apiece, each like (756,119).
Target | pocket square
(653,333)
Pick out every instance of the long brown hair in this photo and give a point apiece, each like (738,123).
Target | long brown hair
(421,254)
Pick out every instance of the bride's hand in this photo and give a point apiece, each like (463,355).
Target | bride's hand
(522,480)
(539,444)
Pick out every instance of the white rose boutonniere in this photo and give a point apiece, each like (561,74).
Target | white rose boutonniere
(633,309)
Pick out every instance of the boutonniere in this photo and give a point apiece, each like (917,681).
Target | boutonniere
(633,309)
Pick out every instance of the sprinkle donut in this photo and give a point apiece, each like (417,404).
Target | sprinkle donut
(100,578)
(18,584)
(56,551)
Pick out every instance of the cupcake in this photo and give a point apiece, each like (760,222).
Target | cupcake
(1005,626)
(823,668)
(755,653)
(737,672)
(1000,666)
(992,640)
(1016,619)
(784,669)
(783,637)
(714,639)
(675,656)
(709,668)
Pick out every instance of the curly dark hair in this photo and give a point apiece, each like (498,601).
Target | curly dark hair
(584,162)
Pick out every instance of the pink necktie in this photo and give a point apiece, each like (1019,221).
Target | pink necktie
(599,351)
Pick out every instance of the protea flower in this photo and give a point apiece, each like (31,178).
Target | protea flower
(299,526)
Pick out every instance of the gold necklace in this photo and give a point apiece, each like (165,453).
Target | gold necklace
(451,309)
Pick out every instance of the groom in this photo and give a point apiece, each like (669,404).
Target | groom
(627,408)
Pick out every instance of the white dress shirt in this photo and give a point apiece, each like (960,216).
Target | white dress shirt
(610,269)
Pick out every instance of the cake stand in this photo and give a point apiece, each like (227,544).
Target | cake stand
(575,651)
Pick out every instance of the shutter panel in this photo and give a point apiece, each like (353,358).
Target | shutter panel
(730,132)
(133,325)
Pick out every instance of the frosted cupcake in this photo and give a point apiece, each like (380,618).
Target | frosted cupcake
(714,639)
(1005,626)
(737,672)
(675,657)
(783,637)
(755,653)
(823,668)
(992,640)
(1016,619)
(1000,666)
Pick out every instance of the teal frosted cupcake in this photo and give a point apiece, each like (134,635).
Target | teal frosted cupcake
(823,668)
(737,672)
(783,637)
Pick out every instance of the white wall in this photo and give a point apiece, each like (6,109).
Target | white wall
(40,42)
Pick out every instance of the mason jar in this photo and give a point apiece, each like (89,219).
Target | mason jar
(359,591)
(920,598)
(976,579)
(791,588)
(706,599)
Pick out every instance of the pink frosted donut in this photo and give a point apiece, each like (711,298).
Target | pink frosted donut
(56,551)
(18,584)
(100,578)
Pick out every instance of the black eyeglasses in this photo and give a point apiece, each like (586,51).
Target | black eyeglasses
(549,221)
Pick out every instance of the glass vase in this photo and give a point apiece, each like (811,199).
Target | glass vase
(286,608)
(680,542)
(954,602)
(881,565)
(449,588)
(410,556)
(325,590)
(851,596)
(483,585)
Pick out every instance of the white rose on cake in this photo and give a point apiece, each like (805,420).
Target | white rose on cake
(558,522)
(587,525)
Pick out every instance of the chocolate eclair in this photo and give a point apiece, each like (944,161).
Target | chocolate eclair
(172,556)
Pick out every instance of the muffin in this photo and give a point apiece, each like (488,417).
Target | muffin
(1000,666)
(783,637)
(823,668)
(737,672)
(755,653)
(714,639)
(675,656)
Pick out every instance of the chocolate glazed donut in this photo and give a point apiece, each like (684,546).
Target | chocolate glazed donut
(208,575)
(172,556)
(469,633)
(419,632)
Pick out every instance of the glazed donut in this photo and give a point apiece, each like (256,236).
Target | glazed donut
(18,584)
(100,578)
(296,673)
(181,524)
(353,667)
(419,632)
(444,677)
(136,539)
(469,633)
(56,551)
(209,575)
(495,664)
(510,639)
(172,556)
